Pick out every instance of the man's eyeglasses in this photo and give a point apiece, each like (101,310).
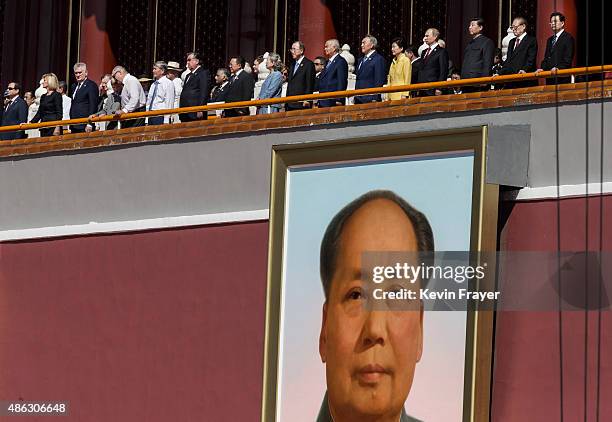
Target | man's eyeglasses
(12,88)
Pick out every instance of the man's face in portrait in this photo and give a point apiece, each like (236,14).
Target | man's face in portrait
(370,356)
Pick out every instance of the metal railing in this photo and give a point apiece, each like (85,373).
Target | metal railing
(580,71)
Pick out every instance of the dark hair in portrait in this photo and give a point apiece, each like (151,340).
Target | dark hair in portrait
(331,240)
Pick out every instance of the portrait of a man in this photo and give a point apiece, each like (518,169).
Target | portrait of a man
(369,355)
(339,347)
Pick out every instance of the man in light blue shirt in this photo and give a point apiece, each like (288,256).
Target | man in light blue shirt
(161,94)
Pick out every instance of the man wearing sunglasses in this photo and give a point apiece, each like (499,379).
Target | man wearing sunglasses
(15,112)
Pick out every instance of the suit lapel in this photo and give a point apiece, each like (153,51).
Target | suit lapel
(431,54)
(328,68)
(515,48)
(293,74)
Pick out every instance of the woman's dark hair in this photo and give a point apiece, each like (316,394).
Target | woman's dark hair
(400,41)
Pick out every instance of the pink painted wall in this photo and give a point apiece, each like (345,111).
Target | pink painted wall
(151,326)
(527,368)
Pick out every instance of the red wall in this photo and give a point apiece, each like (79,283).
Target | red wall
(527,372)
(169,325)
(152,326)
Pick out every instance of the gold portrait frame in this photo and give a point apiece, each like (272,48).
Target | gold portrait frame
(483,237)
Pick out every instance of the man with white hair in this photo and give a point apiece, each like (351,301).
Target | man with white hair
(84,94)
(371,70)
(335,75)
(132,96)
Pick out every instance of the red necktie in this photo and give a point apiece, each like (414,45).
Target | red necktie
(518,41)
(427,53)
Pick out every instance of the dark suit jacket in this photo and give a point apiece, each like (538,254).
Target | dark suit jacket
(195,92)
(85,102)
(435,67)
(371,73)
(417,65)
(240,89)
(16,113)
(50,108)
(333,78)
(301,82)
(219,93)
(478,58)
(523,58)
(561,55)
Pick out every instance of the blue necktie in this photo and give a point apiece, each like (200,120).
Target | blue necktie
(295,68)
(154,94)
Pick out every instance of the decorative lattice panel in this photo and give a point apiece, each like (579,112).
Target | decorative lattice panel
(349,23)
(527,9)
(135,50)
(290,28)
(2,7)
(428,14)
(389,19)
(174,30)
(211,32)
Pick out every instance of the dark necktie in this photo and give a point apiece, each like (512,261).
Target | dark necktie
(518,42)
(554,41)
(427,54)
(76,90)
(156,83)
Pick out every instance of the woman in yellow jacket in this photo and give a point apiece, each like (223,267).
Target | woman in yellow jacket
(401,69)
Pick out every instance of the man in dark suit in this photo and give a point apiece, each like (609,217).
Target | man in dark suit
(335,75)
(319,64)
(15,112)
(84,94)
(371,70)
(219,92)
(522,53)
(301,76)
(195,89)
(240,88)
(559,49)
(435,62)
(478,55)
(416,62)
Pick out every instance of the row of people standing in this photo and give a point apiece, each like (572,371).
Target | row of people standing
(123,93)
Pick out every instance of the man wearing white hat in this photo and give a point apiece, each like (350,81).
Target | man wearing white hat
(174,74)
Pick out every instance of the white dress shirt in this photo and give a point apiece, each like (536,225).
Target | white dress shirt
(164,96)
(558,34)
(66,103)
(132,95)
(178,88)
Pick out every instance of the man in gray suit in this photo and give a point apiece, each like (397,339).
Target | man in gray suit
(110,101)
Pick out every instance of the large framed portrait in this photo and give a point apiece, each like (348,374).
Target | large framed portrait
(328,356)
